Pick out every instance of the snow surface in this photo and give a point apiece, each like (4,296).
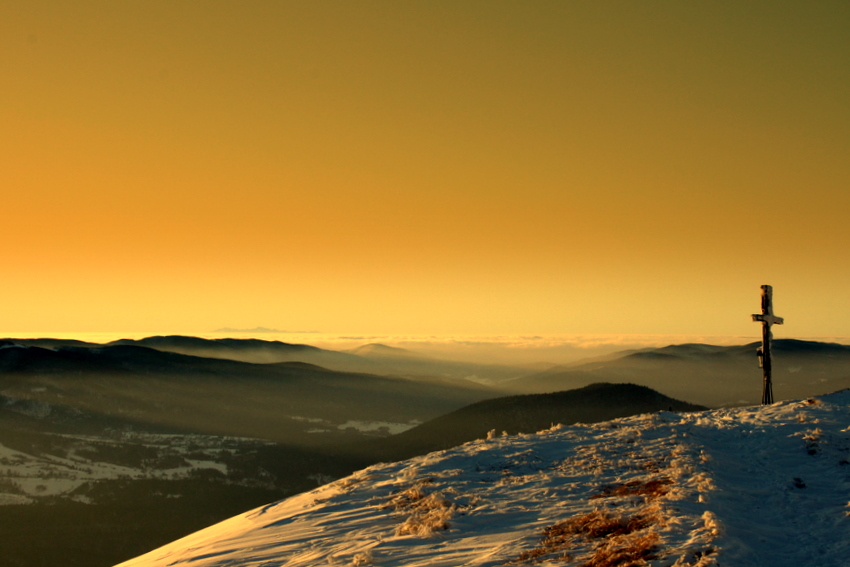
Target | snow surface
(42,475)
(765,485)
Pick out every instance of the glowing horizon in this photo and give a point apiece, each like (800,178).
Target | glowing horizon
(480,168)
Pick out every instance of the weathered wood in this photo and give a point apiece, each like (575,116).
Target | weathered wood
(766,318)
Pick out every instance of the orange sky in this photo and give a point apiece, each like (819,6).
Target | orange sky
(424,167)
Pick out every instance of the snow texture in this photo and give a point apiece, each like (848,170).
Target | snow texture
(765,485)
(46,475)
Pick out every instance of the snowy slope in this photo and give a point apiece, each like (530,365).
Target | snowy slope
(740,487)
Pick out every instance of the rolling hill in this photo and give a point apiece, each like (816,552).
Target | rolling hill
(522,414)
(293,402)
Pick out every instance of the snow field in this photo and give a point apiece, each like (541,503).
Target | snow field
(744,487)
(42,474)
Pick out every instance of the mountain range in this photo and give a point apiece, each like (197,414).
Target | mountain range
(710,375)
(292,402)
(166,435)
(372,358)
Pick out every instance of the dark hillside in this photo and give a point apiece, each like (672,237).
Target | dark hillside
(526,414)
(296,403)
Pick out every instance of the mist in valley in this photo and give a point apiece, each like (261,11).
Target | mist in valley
(197,429)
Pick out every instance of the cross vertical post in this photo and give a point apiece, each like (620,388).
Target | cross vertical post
(766,318)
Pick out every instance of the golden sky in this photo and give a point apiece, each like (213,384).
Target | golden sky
(424,166)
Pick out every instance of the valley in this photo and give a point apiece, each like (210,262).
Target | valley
(128,447)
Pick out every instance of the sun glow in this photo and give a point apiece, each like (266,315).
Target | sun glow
(424,168)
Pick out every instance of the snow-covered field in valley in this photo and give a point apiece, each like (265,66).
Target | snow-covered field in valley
(753,486)
(86,460)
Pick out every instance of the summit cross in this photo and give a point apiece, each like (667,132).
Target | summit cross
(766,318)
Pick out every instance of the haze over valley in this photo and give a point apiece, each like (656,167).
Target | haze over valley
(196,429)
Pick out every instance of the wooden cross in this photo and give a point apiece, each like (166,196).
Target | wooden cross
(767,318)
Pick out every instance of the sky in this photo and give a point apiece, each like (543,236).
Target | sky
(439,167)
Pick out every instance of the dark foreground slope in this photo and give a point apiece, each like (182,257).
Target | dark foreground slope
(525,414)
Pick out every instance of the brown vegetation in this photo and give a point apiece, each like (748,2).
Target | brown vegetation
(650,489)
(427,512)
(615,540)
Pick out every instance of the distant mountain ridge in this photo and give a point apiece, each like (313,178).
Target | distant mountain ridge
(253,350)
(373,359)
(710,375)
(707,374)
(278,401)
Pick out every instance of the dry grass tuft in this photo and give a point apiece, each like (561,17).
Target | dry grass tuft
(431,514)
(615,540)
(362,559)
(625,552)
(650,489)
(814,435)
(594,525)
(812,439)
(427,512)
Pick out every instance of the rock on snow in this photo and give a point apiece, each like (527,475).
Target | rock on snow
(764,485)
